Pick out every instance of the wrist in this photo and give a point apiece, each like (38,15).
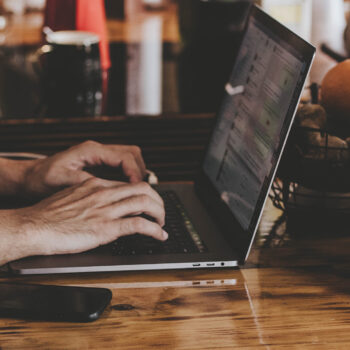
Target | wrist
(13,175)
(16,236)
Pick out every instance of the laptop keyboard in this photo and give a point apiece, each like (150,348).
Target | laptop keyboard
(183,238)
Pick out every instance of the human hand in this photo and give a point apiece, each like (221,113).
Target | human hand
(67,168)
(87,215)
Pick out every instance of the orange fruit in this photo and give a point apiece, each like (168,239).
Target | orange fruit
(335,92)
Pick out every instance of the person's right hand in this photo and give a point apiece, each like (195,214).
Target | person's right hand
(85,216)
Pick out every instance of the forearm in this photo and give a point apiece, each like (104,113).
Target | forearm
(15,238)
(13,174)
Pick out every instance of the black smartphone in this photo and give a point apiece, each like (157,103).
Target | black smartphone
(52,303)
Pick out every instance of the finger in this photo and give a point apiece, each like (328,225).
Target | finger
(130,157)
(129,226)
(135,205)
(139,159)
(93,153)
(136,152)
(130,167)
(96,183)
(123,191)
(82,190)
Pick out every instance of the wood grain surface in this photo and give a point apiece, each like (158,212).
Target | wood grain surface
(290,295)
(269,308)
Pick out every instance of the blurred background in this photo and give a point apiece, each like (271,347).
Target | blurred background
(166,56)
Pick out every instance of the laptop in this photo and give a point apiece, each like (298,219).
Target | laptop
(212,223)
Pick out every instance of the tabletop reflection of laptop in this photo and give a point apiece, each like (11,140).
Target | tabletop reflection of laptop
(213,223)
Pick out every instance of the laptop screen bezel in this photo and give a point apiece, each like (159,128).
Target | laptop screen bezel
(240,239)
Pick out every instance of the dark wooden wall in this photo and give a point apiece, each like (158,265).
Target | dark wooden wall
(172,145)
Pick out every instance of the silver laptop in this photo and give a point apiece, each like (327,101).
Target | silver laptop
(213,222)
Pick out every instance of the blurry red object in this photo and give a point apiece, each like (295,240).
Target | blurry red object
(91,17)
(86,15)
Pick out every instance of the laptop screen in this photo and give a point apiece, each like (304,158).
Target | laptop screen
(259,103)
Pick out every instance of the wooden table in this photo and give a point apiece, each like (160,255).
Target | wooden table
(292,293)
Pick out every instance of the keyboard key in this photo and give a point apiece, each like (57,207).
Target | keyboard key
(183,238)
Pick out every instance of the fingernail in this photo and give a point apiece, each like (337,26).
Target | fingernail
(165,235)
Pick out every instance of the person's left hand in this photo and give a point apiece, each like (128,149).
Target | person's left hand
(66,168)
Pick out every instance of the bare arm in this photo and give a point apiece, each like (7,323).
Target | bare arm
(13,240)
